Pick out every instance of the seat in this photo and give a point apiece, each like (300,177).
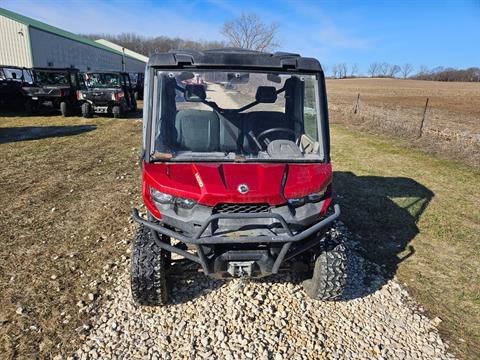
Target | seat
(259,121)
(230,133)
(197,130)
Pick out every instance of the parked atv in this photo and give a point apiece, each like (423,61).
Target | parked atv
(238,181)
(54,89)
(107,93)
(12,79)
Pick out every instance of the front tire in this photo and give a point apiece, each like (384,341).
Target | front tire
(65,109)
(329,275)
(87,111)
(117,111)
(148,272)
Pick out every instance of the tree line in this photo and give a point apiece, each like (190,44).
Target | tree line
(406,71)
(147,46)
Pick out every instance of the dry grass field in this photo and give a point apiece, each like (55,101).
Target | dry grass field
(67,186)
(396,107)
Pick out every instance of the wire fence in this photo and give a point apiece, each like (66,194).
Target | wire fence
(434,129)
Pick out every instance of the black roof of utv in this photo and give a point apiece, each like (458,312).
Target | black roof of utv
(49,69)
(233,58)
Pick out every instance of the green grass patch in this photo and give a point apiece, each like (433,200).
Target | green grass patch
(419,217)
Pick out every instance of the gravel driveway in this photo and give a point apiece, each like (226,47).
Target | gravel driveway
(264,319)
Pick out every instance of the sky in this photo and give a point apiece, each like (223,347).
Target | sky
(423,33)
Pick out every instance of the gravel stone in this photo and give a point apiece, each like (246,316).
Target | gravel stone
(270,318)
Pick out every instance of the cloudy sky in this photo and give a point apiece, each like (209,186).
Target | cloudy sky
(430,33)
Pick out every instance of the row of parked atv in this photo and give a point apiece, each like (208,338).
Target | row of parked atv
(69,91)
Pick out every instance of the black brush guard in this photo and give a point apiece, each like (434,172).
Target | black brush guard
(197,240)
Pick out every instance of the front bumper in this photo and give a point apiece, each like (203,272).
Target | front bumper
(285,241)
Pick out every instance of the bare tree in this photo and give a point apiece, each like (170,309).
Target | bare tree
(424,70)
(406,69)
(373,69)
(393,70)
(383,69)
(354,70)
(250,32)
(342,70)
(335,71)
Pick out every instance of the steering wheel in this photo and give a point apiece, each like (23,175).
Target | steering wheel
(268,131)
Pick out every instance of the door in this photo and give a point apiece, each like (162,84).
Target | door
(126,87)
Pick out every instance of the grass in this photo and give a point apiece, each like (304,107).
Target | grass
(419,217)
(416,215)
(65,200)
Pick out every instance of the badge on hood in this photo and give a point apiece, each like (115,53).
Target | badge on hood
(242,188)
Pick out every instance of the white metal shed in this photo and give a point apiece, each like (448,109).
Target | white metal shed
(30,43)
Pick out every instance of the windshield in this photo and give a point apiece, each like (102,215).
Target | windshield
(50,78)
(133,78)
(14,74)
(102,80)
(235,116)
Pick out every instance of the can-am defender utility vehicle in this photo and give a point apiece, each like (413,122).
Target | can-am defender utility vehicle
(107,93)
(238,180)
(12,79)
(54,89)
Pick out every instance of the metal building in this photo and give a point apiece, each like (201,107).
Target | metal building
(30,43)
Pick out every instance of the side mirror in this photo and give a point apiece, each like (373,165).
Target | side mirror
(195,93)
(185,75)
(238,78)
(274,78)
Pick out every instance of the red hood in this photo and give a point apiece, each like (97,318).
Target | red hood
(212,183)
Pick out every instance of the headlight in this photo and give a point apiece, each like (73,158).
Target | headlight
(296,202)
(315,197)
(161,197)
(310,198)
(118,96)
(185,203)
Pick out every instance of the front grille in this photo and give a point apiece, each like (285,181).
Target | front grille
(241,208)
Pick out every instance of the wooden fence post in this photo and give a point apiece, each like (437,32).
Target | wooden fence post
(420,131)
(356,109)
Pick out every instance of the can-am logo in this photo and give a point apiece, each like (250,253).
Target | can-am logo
(242,188)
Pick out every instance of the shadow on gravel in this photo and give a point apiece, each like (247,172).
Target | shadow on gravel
(382,213)
(23,133)
(187,283)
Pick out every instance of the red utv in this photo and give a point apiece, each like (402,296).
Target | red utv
(236,178)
